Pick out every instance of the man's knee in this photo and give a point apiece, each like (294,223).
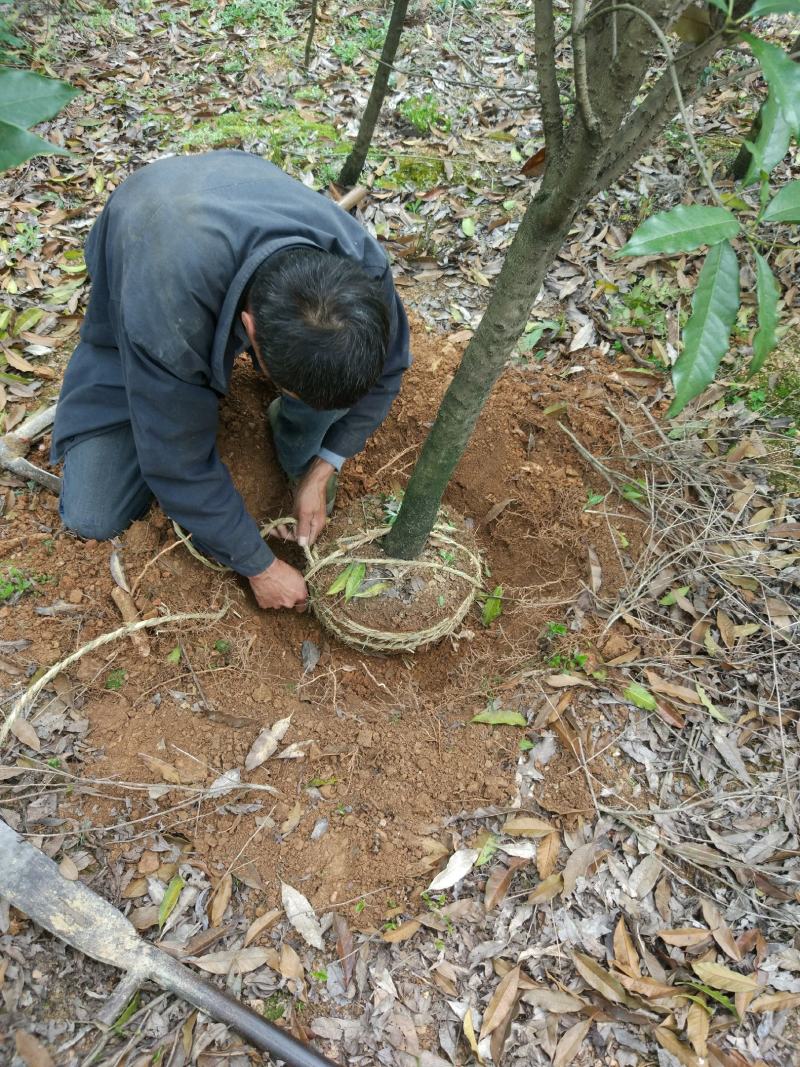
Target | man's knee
(97,526)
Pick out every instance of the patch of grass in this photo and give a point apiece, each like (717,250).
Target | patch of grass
(275,1006)
(288,133)
(115,680)
(14,583)
(423,113)
(267,16)
(645,306)
(353,38)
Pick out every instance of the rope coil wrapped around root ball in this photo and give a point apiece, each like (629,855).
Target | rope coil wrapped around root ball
(338,576)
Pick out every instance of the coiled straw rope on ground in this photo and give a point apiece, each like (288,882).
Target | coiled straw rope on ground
(331,610)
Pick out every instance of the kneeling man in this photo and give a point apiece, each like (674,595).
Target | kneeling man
(193,260)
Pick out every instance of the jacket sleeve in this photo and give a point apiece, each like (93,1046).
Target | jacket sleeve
(175,430)
(349,435)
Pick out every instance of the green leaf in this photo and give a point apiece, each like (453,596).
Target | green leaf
(175,655)
(372,590)
(354,581)
(680,230)
(27,98)
(721,4)
(771,144)
(705,338)
(341,581)
(709,705)
(488,850)
(672,596)
(17,145)
(641,697)
(525,745)
(27,319)
(130,1010)
(773,7)
(500,717)
(493,608)
(468,226)
(714,994)
(785,205)
(782,75)
(768,293)
(170,899)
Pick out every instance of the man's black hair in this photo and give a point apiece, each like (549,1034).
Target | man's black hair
(321,326)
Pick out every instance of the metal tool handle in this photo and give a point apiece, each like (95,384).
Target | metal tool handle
(264,1035)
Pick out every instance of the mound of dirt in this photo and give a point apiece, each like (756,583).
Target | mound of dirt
(390,749)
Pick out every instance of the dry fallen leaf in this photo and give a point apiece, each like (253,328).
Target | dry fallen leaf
(625,955)
(502,1003)
(68,869)
(685,937)
(776,1002)
(344,947)
(599,979)
(570,1044)
(458,866)
(546,889)
(682,1053)
(403,931)
(720,931)
(220,900)
(720,977)
(499,881)
(31,1051)
(231,961)
(24,732)
(301,915)
(547,854)
(528,826)
(257,926)
(266,743)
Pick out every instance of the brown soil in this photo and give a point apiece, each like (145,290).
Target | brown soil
(390,736)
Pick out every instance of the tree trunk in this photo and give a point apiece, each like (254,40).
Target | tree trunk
(541,233)
(354,163)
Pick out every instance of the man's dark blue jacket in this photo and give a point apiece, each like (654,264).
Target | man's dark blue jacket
(170,258)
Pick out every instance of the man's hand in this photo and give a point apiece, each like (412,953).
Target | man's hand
(280,586)
(309,504)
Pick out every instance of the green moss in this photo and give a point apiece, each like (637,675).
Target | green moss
(285,133)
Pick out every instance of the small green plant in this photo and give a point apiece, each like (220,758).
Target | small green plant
(351,581)
(223,647)
(14,583)
(275,1006)
(572,661)
(553,630)
(258,14)
(116,680)
(645,306)
(320,976)
(423,113)
(360,905)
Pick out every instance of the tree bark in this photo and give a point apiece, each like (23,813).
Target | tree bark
(541,233)
(354,164)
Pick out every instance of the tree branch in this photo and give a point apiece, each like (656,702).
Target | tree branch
(582,97)
(544,45)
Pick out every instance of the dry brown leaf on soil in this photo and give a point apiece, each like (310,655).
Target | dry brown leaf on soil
(555,1000)
(292,819)
(344,947)
(564,681)
(497,885)
(24,732)
(698,1024)
(266,743)
(569,1045)
(729,1057)
(458,866)
(647,987)
(578,864)
(644,877)
(167,771)
(31,1051)
(402,932)
(720,930)
(625,955)
(547,854)
(686,937)
(263,922)
(599,979)
(682,1053)
(290,963)
(546,889)
(231,961)
(776,1002)
(528,826)
(720,977)
(68,869)
(502,1003)
(220,900)
(671,689)
(469,1033)
(301,915)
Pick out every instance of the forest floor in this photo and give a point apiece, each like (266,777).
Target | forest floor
(608,874)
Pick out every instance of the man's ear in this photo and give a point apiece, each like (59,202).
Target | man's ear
(250,326)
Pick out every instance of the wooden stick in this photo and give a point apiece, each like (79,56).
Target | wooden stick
(127,610)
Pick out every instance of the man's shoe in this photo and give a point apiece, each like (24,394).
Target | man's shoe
(333,482)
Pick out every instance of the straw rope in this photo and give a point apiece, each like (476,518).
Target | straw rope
(330,610)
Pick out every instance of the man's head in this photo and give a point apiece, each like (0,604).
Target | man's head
(320,326)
